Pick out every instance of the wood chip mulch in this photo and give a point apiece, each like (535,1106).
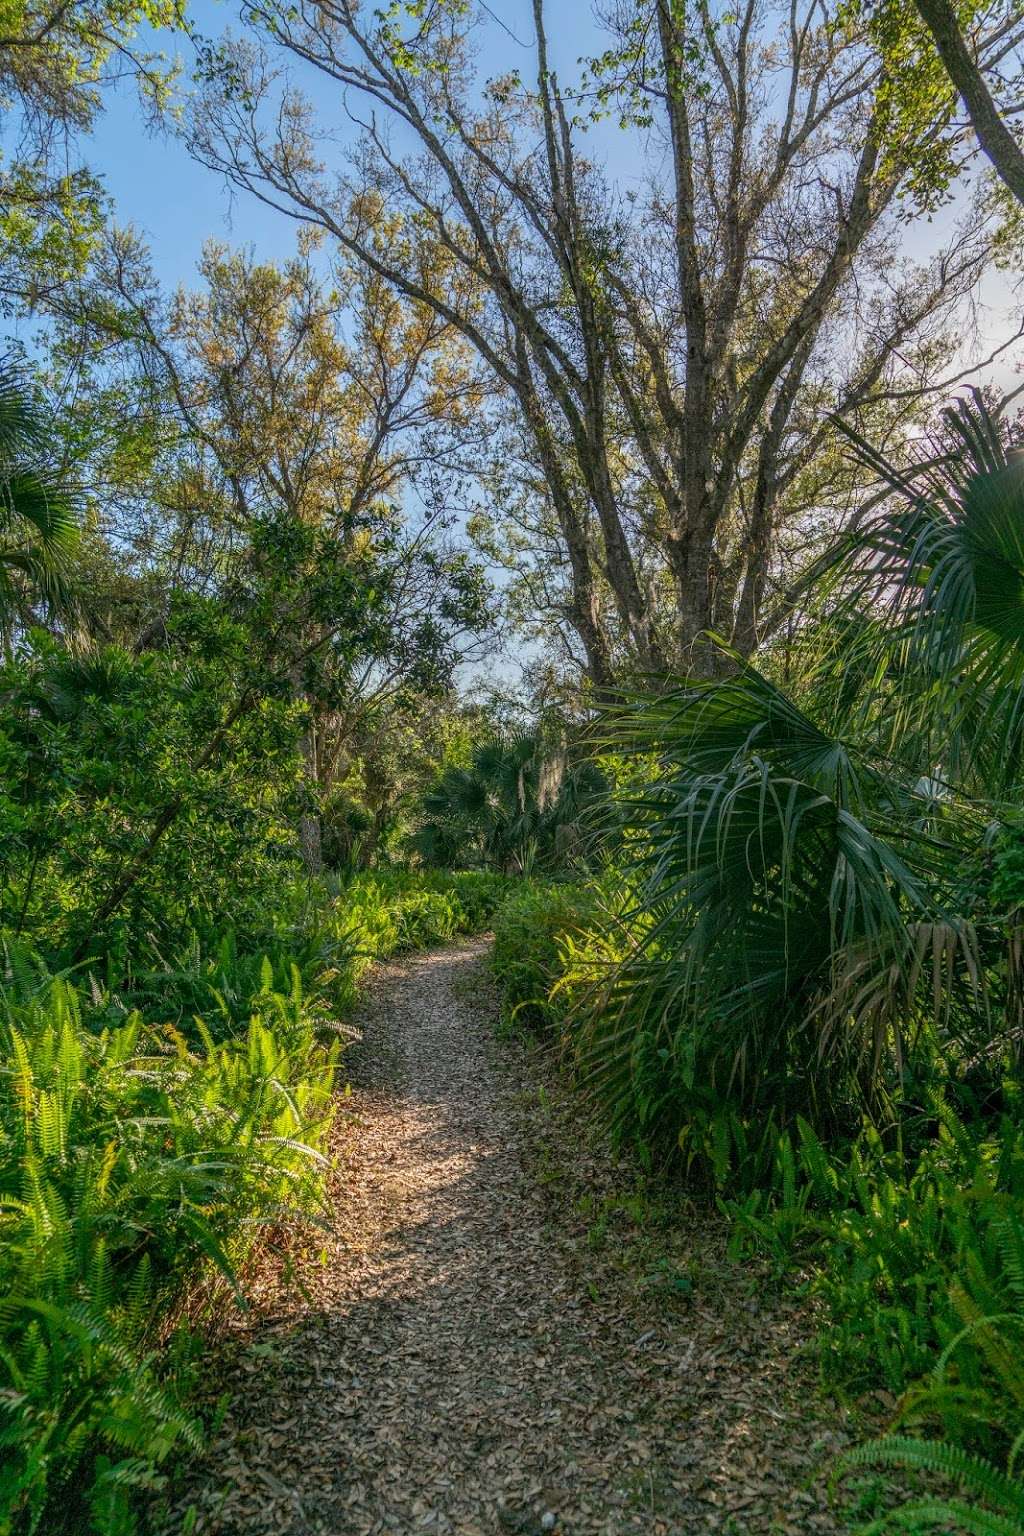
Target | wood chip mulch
(489,1340)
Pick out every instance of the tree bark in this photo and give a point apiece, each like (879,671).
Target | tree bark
(994,137)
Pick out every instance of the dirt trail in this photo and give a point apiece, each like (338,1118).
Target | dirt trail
(470,1357)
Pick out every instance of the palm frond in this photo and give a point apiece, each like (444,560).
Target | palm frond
(940,568)
(40,512)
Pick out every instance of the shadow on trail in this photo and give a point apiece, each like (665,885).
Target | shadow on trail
(454,1370)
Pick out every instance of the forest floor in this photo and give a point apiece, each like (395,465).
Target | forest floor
(500,1334)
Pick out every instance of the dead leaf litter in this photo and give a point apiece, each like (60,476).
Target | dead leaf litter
(476,1347)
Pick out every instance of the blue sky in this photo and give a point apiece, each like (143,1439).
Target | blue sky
(178,204)
(157,186)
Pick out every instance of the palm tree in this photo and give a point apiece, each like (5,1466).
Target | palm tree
(39,513)
(517,805)
(811,864)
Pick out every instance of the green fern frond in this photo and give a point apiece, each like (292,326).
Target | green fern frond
(943,1459)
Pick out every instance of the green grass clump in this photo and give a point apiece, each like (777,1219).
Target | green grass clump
(533,935)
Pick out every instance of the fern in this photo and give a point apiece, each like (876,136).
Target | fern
(1000,1512)
(132,1162)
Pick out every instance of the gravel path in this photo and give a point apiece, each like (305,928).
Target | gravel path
(478,1348)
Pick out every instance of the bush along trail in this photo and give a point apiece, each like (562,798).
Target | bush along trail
(500,1331)
(153,1136)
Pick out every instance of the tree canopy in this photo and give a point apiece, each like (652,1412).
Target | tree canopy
(667,361)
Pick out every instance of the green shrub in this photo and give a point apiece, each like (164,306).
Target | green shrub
(93,750)
(925,1257)
(130,1160)
(384,912)
(329,932)
(974,1394)
(999,1510)
(519,804)
(479,894)
(532,932)
(902,1240)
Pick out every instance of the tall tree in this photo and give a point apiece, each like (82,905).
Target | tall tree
(672,354)
(261,442)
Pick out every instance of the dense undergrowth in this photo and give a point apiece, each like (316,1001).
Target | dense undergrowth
(153,1132)
(799,986)
(790,973)
(910,1237)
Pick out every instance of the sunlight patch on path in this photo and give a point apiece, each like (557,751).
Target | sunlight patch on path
(454,1369)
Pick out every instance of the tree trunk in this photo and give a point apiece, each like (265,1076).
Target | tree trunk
(310,834)
(692,559)
(994,136)
(310,844)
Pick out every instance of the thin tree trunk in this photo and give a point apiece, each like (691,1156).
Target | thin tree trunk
(310,838)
